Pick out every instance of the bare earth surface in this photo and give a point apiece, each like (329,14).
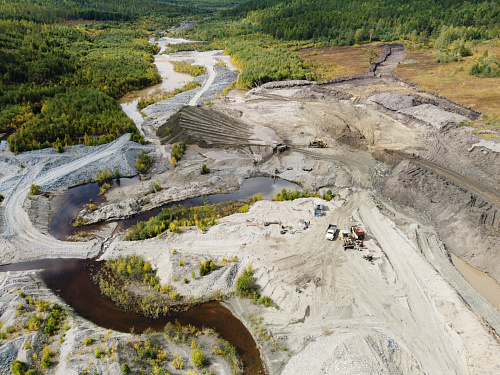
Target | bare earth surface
(397,162)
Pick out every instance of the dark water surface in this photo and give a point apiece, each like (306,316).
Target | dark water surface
(77,197)
(74,199)
(70,280)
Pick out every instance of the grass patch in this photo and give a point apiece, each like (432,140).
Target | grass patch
(159,96)
(452,80)
(334,62)
(188,68)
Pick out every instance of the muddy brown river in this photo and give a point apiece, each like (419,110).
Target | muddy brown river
(70,280)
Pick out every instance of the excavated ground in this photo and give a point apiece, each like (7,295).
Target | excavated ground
(400,161)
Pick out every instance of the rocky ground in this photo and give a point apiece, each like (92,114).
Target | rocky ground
(400,161)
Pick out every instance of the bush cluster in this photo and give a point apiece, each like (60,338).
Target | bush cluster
(104,175)
(177,151)
(172,218)
(207,267)
(488,65)
(188,68)
(143,162)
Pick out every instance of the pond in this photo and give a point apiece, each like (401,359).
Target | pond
(77,197)
(74,199)
(481,281)
(70,280)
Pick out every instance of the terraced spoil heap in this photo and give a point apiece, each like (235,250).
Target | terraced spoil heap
(207,128)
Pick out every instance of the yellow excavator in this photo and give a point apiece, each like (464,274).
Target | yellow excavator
(318,143)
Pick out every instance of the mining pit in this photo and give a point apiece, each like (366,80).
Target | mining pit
(401,162)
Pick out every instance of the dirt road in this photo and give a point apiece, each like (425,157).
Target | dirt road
(20,234)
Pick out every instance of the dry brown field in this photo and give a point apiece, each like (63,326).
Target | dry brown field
(452,80)
(333,62)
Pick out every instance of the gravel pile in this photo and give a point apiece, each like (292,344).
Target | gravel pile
(433,115)
(223,78)
(43,161)
(394,102)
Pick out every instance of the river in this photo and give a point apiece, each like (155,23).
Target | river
(170,80)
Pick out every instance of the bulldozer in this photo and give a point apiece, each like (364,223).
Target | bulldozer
(346,239)
(318,143)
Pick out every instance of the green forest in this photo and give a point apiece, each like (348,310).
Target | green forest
(60,80)
(348,22)
(64,63)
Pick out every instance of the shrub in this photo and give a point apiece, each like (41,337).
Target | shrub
(1,198)
(88,341)
(34,323)
(143,162)
(155,187)
(46,357)
(328,195)
(177,362)
(193,274)
(18,367)
(104,175)
(207,267)
(34,189)
(204,169)
(245,283)
(125,368)
(185,280)
(199,359)
(177,151)
(99,353)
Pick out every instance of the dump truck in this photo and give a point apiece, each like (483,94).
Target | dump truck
(318,143)
(330,232)
(344,236)
(279,147)
(358,232)
(318,209)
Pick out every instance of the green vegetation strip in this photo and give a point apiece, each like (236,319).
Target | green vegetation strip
(188,68)
(290,195)
(132,285)
(175,217)
(156,97)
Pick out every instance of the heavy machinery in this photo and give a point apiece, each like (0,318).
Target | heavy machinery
(318,143)
(330,232)
(318,209)
(278,148)
(348,243)
(358,232)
